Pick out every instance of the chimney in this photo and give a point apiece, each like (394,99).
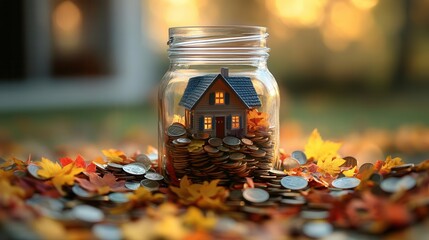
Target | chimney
(224,72)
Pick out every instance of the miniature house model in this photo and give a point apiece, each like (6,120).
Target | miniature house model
(218,105)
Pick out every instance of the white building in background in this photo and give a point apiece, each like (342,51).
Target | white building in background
(81,53)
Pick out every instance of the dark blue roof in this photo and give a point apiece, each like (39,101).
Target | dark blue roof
(197,86)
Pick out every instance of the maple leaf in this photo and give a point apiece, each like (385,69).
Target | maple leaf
(350,173)
(102,185)
(205,195)
(13,163)
(48,168)
(196,219)
(66,177)
(257,120)
(318,149)
(384,166)
(142,195)
(79,162)
(9,192)
(116,156)
(330,166)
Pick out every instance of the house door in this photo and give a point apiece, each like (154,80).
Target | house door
(220,127)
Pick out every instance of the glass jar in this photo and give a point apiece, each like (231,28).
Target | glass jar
(218,105)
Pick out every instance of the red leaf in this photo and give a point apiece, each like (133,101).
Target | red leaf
(102,185)
(80,162)
(91,168)
(65,161)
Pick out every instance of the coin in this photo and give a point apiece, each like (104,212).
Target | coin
(88,213)
(184,141)
(114,165)
(236,156)
(299,156)
(119,197)
(317,229)
(33,169)
(394,184)
(215,142)
(150,184)
(365,167)
(145,161)
(349,162)
(134,169)
(294,182)
(80,192)
(346,182)
(132,185)
(290,163)
(277,172)
(201,136)
(106,231)
(314,214)
(246,141)
(154,176)
(210,149)
(176,130)
(231,141)
(402,167)
(256,195)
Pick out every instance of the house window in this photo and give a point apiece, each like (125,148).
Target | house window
(207,123)
(235,122)
(219,98)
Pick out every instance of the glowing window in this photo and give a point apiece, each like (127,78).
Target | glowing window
(235,122)
(207,123)
(219,98)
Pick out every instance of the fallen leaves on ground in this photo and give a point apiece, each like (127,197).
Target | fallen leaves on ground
(205,195)
(143,196)
(383,167)
(116,156)
(102,185)
(9,192)
(79,162)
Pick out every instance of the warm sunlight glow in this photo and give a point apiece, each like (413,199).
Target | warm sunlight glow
(299,13)
(365,4)
(67,17)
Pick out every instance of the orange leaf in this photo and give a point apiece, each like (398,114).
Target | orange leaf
(102,185)
(116,156)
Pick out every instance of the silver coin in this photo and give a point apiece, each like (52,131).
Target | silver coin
(119,197)
(300,156)
(314,214)
(346,182)
(294,182)
(394,184)
(88,213)
(277,172)
(80,192)
(134,169)
(154,176)
(145,161)
(176,130)
(114,165)
(317,229)
(294,201)
(33,169)
(107,231)
(402,167)
(340,193)
(231,141)
(150,184)
(132,185)
(256,195)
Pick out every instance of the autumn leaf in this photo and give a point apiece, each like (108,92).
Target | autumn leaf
(66,177)
(102,185)
(116,156)
(48,168)
(349,173)
(142,196)
(384,167)
(79,162)
(330,166)
(13,163)
(196,219)
(9,192)
(205,195)
(257,120)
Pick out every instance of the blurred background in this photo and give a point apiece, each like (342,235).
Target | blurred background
(77,76)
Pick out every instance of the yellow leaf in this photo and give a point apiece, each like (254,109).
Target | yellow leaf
(350,172)
(49,229)
(331,166)
(115,156)
(391,162)
(196,219)
(9,192)
(142,195)
(318,149)
(48,169)
(66,177)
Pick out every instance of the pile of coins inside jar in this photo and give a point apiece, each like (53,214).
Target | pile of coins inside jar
(229,159)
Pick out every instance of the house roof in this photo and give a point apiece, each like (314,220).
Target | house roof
(197,86)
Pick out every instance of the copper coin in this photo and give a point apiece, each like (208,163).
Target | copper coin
(210,149)
(365,167)
(350,162)
(201,136)
(215,142)
(237,156)
(246,141)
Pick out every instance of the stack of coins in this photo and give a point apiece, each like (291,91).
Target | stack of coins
(229,159)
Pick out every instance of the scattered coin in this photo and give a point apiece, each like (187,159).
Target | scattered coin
(402,167)
(33,169)
(317,229)
(394,184)
(134,169)
(346,182)
(290,163)
(349,162)
(154,176)
(119,197)
(294,182)
(150,185)
(365,167)
(114,165)
(255,195)
(145,161)
(299,156)
(88,213)
(106,231)
(80,192)
(132,185)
